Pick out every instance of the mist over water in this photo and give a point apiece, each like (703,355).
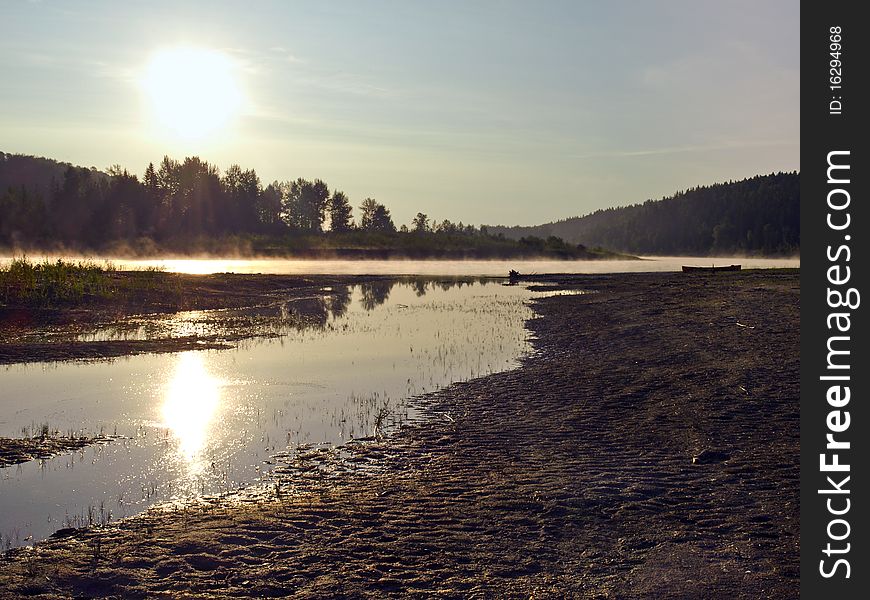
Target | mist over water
(495,268)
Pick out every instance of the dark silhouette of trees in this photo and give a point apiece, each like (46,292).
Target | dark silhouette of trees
(178,204)
(124,212)
(152,200)
(46,201)
(382,221)
(242,199)
(367,213)
(23,216)
(340,213)
(315,199)
(78,207)
(420,224)
(375,217)
(197,204)
(304,205)
(269,209)
(40,176)
(756,215)
(339,301)
(375,293)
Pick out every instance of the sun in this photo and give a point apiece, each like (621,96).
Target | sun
(192,92)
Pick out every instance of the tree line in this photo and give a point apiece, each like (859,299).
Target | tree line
(43,200)
(758,215)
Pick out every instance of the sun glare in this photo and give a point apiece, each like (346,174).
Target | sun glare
(192,92)
(190,401)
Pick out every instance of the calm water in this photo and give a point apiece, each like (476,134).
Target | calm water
(498,268)
(204,422)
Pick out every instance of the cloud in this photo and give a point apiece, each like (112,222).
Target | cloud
(731,145)
(90,66)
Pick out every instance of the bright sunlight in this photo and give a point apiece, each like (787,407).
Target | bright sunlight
(192,92)
(190,402)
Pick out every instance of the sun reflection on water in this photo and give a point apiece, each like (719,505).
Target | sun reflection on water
(190,402)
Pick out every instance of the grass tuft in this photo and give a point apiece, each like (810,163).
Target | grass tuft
(54,282)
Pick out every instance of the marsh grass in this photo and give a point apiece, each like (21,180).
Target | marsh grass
(47,282)
(62,282)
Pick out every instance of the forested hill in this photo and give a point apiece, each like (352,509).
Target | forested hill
(759,215)
(35,173)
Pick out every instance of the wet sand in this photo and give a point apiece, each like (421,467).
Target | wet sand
(648,449)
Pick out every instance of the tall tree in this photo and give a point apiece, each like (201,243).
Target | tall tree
(382,221)
(367,213)
(420,224)
(340,211)
(77,201)
(242,192)
(304,205)
(315,201)
(169,186)
(200,197)
(120,214)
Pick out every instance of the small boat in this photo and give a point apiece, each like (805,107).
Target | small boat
(694,269)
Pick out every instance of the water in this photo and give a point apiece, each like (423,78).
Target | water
(206,422)
(498,268)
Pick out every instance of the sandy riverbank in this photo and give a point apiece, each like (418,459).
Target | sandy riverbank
(648,449)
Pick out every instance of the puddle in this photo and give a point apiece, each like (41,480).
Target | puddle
(206,422)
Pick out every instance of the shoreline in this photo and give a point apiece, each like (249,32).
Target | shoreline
(597,468)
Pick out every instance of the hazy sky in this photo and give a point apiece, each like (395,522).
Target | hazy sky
(485,112)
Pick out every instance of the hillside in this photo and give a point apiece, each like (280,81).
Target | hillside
(759,215)
(35,173)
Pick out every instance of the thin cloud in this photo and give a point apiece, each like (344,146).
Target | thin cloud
(94,67)
(682,149)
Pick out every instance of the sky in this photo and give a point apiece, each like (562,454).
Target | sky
(481,112)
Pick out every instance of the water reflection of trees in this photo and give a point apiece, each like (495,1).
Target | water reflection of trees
(317,310)
(339,301)
(310,311)
(375,293)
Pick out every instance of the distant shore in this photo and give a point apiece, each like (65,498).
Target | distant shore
(360,254)
(348,245)
(649,448)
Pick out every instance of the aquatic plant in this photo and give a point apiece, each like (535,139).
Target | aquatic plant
(49,282)
(63,282)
